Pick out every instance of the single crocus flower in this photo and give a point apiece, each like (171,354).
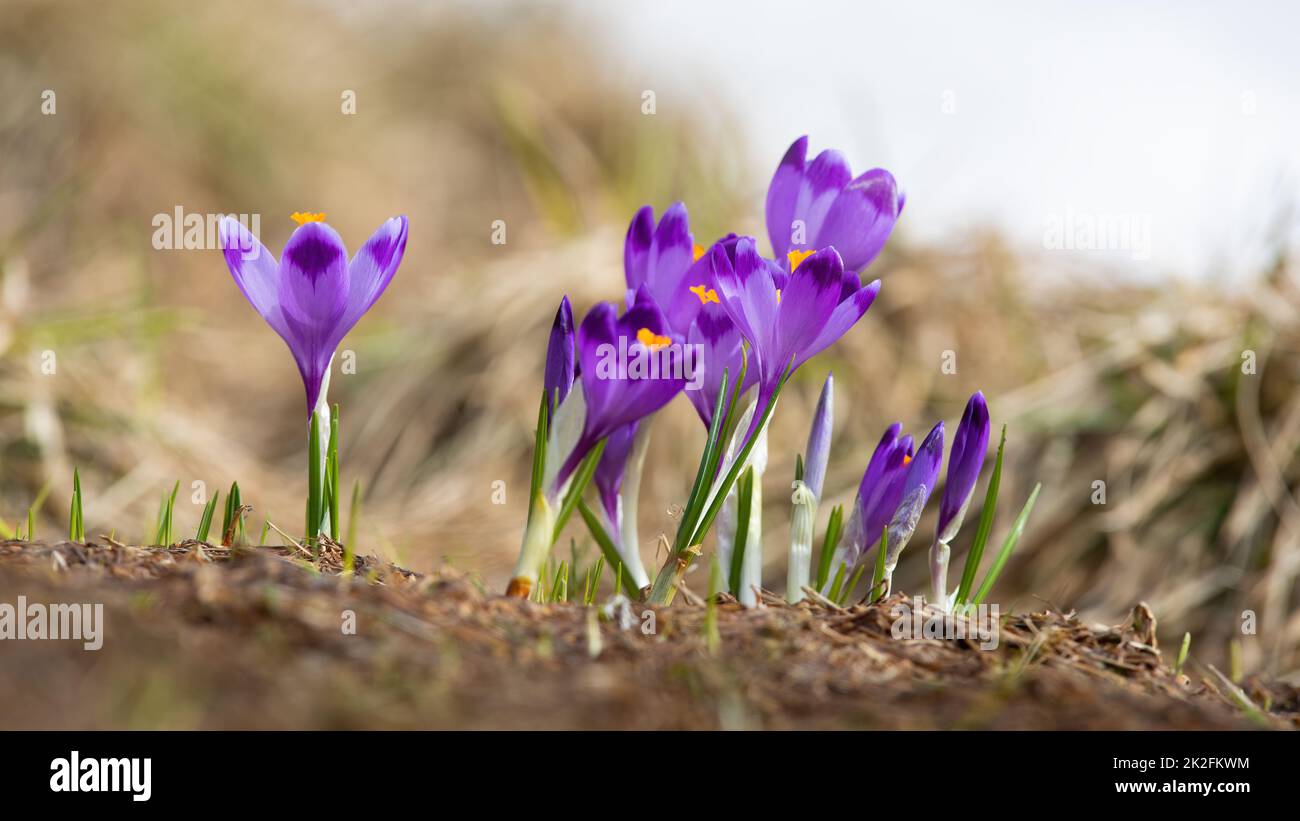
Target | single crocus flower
(807,494)
(892,495)
(969,448)
(313,295)
(787,318)
(812,205)
(628,367)
(560,357)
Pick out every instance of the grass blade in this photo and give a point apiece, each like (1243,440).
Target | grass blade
(1017,528)
(829,543)
(607,549)
(581,478)
(332,473)
(878,574)
(744,501)
(985,528)
(76,524)
(205,521)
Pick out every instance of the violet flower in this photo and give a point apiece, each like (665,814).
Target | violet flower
(969,448)
(314,295)
(628,367)
(894,490)
(814,205)
(787,318)
(807,494)
(561,359)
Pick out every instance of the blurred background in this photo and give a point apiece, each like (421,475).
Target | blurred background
(1160,359)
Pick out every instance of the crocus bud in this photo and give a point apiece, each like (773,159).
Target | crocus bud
(969,448)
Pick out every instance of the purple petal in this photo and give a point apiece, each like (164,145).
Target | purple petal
(560,350)
(608,477)
(717,339)
(810,297)
(969,449)
(255,271)
(636,248)
(313,295)
(783,195)
(373,268)
(658,258)
(819,439)
(861,218)
(844,317)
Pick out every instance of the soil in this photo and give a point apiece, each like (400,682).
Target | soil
(201,636)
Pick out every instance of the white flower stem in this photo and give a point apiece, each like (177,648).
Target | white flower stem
(629,544)
(322,411)
(751,567)
(939,553)
(536,546)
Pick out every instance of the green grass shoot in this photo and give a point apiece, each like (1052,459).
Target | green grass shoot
(829,542)
(1182,654)
(163,534)
(985,527)
(1008,545)
(205,521)
(878,573)
(712,636)
(744,503)
(76,524)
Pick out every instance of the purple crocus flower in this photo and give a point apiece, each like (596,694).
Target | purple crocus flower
(894,489)
(617,480)
(657,258)
(819,439)
(787,318)
(625,367)
(969,447)
(560,357)
(314,295)
(814,205)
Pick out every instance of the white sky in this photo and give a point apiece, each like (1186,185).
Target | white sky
(1175,115)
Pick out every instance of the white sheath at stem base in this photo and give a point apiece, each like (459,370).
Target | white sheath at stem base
(939,553)
(322,410)
(801,536)
(536,546)
(629,543)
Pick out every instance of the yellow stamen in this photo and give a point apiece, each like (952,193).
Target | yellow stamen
(651,340)
(797,257)
(698,251)
(304,217)
(907,460)
(706,295)
(778,296)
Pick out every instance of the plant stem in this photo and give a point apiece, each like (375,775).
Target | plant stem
(799,567)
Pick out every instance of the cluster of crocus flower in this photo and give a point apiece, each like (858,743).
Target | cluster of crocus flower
(896,485)
(740,317)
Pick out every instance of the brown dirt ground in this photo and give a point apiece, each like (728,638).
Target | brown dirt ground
(198,636)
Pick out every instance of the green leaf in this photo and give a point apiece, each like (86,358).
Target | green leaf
(744,503)
(354,514)
(607,549)
(539,452)
(315,483)
(1017,528)
(578,486)
(878,574)
(853,582)
(205,521)
(829,543)
(76,524)
(332,470)
(837,583)
(985,528)
(695,501)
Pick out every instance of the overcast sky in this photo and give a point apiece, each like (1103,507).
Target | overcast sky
(1172,123)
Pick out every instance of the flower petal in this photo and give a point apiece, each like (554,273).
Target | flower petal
(313,295)
(861,218)
(783,195)
(254,269)
(373,268)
